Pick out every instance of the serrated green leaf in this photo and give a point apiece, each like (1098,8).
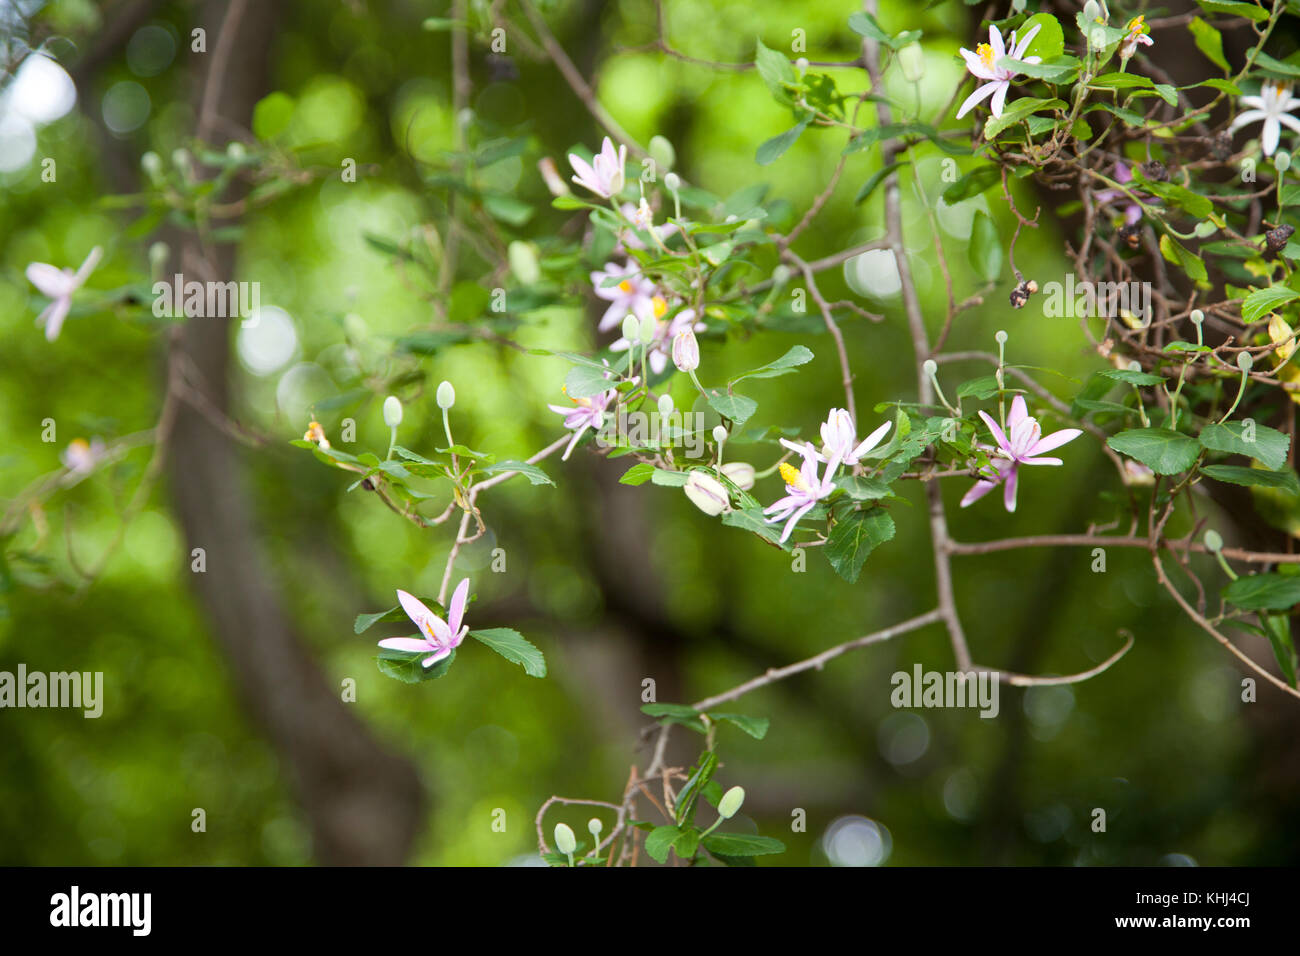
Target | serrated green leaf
(1164,451)
(514,647)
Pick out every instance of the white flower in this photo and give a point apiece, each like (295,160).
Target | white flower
(840,440)
(604,174)
(1273,106)
(59,285)
(633,293)
(983,65)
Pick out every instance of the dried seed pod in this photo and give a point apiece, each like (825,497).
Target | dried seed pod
(1155,171)
(1131,235)
(1021,293)
(1275,240)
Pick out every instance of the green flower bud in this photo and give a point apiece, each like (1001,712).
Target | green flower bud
(741,473)
(522,257)
(1001,337)
(665,405)
(631,328)
(1245,361)
(1213,541)
(565,841)
(662,152)
(1197,316)
(594,826)
(392,411)
(1282,161)
(719,433)
(673,182)
(911,59)
(730,803)
(446,396)
(707,494)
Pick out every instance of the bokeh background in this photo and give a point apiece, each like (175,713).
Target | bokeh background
(614,583)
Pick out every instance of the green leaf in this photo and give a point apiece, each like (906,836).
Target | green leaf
(776,72)
(1279,67)
(364,622)
(756,727)
(1058,71)
(786,364)
(1266,445)
(979,388)
(1049,42)
(1264,592)
(1237,475)
(690,792)
(863,488)
(854,537)
(1164,451)
(1263,301)
(753,520)
(534,474)
(272,114)
(583,381)
(514,647)
(874,180)
(1017,111)
(738,408)
(973,183)
(406,667)
(1121,81)
(742,844)
(660,840)
(1278,629)
(1209,41)
(638,474)
(669,479)
(675,714)
(1180,255)
(985,249)
(1235,8)
(774,148)
(1132,376)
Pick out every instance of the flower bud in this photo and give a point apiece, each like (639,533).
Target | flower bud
(565,841)
(1197,316)
(631,329)
(719,433)
(1213,541)
(673,182)
(911,59)
(594,826)
(730,803)
(446,395)
(662,152)
(1092,11)
(649,328)
(235,150)
(686,351)
(522,257)
(741,474)
(801,64)
(1282,160)
(707,494)
(182,160)
(1245,361)
(158,253)
(554,183)
(392,411)
(151,163)
(665,405)
(1001,337)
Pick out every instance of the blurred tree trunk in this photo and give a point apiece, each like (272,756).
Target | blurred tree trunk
(364,805)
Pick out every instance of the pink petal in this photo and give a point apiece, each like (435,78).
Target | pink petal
(49,280)
(998,434)
(405,644)
(417,611)
(1019,412)
(1055,440)
(981,92)
(54,315)
(434,658)
(456,610)
(1009,491)
(977,491)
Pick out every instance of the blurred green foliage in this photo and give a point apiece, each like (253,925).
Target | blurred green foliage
(1161,742)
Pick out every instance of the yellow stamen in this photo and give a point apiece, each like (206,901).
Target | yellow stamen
(792,476)
(625,287)
(985,53)
(660,306)
(1138,24)
(80,444)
